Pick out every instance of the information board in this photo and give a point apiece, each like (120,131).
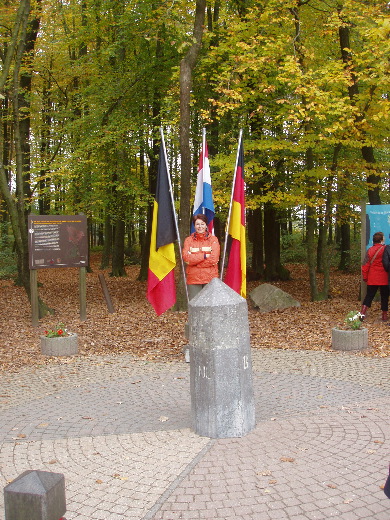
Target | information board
(377,219)
(57,241)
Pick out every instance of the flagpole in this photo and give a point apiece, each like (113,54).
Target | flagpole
(230,207)
(174,212)
(203,157)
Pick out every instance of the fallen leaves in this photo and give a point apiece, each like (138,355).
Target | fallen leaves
(287,459)
(134,328)
(120,477)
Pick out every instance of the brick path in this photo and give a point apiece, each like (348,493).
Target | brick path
(120,431)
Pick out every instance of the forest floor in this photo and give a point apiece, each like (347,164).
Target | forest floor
(135,328)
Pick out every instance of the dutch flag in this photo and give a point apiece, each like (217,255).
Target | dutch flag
(203,202)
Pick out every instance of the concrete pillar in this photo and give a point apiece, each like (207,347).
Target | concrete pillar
(222,401)
(35,495)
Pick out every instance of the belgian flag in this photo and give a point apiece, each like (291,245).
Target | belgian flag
(235,276)
(161,289)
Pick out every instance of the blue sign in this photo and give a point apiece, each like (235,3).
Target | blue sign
(377,219)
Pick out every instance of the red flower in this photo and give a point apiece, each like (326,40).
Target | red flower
(60,332)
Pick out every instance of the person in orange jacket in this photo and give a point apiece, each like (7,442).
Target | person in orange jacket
(201,254)
(375,275)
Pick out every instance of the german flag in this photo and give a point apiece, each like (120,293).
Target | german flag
(161,291)
(235,276)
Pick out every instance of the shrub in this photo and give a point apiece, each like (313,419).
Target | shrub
(8,264)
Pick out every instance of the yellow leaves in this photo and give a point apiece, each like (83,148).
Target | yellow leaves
(263,483)
(120,477)
(243,46)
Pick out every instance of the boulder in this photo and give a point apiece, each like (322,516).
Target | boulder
(267,297)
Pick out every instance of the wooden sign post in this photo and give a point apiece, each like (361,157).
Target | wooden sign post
(57,241)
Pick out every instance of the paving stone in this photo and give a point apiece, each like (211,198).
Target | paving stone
(120,431)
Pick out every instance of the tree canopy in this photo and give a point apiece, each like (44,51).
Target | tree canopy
(85,86)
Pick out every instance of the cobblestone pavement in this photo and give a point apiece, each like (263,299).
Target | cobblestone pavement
(120,431)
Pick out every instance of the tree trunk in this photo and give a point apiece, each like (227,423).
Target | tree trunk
(153,167)
(118,253)
(107,246)
(345,247)
(311,251)
(145,249)
(255,235)
(213,29)
(311,217)
(273,267)
(23,41)
(325,229)
(186,67)
(320,246)
(373,179)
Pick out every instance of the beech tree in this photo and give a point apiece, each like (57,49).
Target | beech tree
(294,79)
(15,91)
(85,96)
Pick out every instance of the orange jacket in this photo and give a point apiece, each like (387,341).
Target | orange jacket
(201,254)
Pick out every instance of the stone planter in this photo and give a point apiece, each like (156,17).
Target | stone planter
(349,339)
(60,346)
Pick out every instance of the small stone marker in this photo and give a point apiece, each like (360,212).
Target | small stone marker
(267,297)
(35,495)
(222,400)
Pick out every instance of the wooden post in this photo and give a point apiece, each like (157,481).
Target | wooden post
(363,285)
(34,297)
(107,297)
(83,293)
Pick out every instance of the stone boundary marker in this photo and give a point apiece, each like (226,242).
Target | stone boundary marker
(35,495)
(222,400)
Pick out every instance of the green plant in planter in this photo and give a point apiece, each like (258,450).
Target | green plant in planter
(59,332)
(354,320)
